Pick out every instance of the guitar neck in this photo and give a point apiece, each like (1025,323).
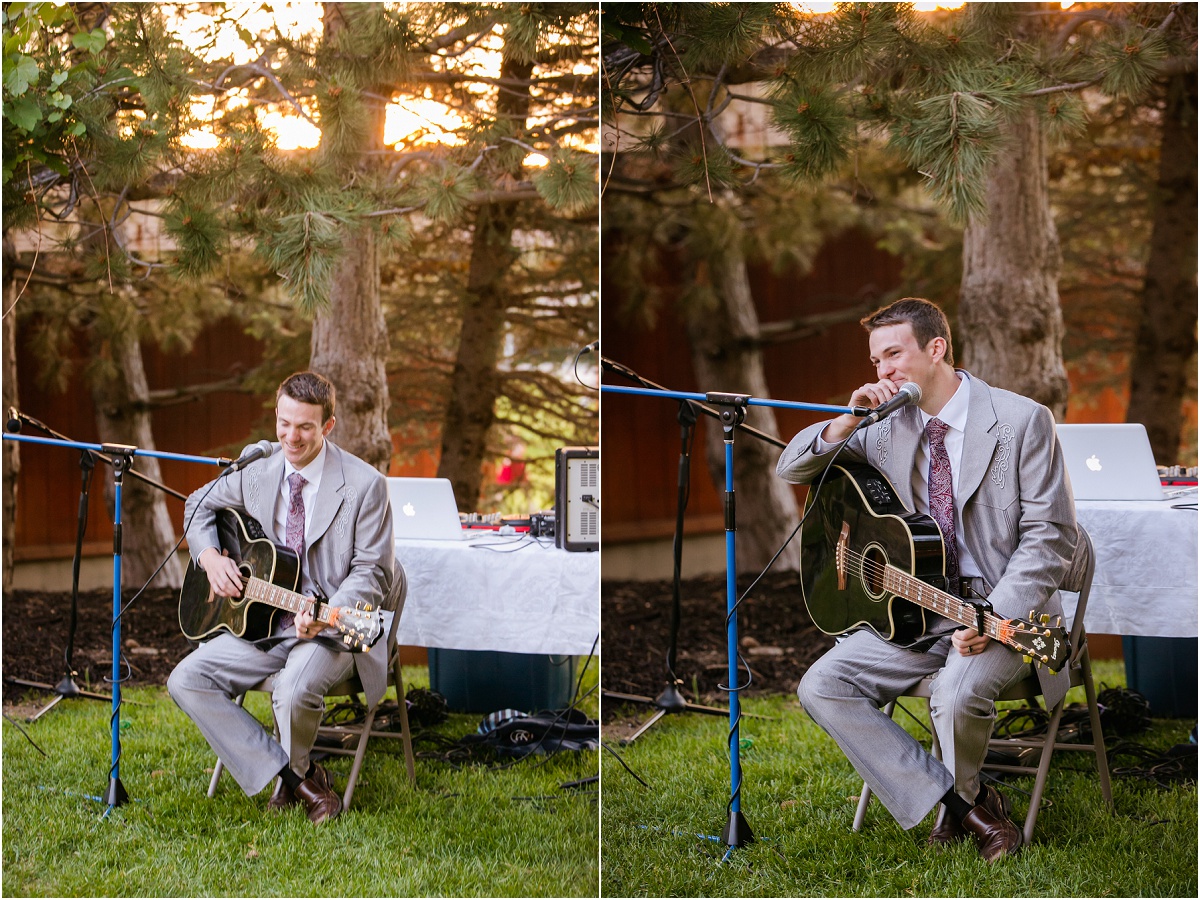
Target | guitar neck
(926,595)
(281,598)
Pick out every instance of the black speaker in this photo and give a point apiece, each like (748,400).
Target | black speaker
(577,498)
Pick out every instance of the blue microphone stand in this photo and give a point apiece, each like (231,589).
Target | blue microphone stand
(732,413)
(121,456)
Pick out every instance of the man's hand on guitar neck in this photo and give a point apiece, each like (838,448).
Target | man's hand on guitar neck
(306,626)
(969,642)
(224,577)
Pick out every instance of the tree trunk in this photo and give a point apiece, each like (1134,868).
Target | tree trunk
(122,418)
(726,356)
(1166,336)
(349,335)
(474,384)
(350,347)
(12,455)
(1010,320)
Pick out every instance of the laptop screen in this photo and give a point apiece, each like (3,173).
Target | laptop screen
(424,509)
(1110,462)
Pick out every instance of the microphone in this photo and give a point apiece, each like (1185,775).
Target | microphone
(591,348)
(261,450)
(13,425)
(910,392)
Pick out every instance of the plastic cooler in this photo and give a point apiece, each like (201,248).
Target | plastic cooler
(1163,670)
(483,681)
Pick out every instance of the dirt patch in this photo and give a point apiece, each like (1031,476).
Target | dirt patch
(778,639)
(36,626)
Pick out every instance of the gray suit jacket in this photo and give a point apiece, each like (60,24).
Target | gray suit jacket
(1018,512)
(349,548)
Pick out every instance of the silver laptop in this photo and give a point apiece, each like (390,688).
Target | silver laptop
(1110,462)
(424,509)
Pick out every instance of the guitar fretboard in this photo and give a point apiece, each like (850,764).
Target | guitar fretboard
(281,598)
(919,592)
(913,589)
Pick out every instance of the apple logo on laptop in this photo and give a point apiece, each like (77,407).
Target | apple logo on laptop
(1093,463)
(409,510)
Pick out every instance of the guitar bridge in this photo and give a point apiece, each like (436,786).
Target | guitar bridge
(840,553)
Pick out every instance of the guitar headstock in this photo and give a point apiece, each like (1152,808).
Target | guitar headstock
(1044,643)
(360,625)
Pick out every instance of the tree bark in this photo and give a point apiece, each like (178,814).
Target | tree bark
(1010,320)
(12,454)
(474,385)
(349,335)
(148,535)
(1166,337)
(350,347)
(726,355)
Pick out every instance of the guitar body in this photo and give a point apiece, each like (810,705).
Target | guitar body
(203,614)
(859,506)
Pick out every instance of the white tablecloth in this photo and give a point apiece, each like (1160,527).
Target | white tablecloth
(1145,582)
(514,594)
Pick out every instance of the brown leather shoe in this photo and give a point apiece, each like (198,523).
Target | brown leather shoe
(995,833)
(282,798)
(995,802)
(947,829)
(319,798)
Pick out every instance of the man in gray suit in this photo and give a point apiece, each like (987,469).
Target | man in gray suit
(332,509)
(985,464)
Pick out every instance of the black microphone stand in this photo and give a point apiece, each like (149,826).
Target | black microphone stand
(670,700)
(87,463)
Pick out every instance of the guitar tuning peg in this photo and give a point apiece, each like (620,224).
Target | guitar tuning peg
(1044,618)
(1027,658)
(1058,620)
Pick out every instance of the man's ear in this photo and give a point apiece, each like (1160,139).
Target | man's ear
(936,348)
(328,426)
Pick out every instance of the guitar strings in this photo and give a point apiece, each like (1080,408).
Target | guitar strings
(868,566)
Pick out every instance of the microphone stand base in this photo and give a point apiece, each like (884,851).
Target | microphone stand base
(737,831)
(669,701)
(115,795)
(64,689)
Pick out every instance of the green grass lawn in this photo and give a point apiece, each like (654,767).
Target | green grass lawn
(461,832)
(799,797)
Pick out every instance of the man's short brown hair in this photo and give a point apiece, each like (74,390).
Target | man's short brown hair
(926,318)
(309,387)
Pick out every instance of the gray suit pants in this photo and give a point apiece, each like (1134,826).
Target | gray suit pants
(845,690)
(206,682)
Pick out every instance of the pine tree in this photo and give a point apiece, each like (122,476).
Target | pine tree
(947,92)
(312,217)
(965,98)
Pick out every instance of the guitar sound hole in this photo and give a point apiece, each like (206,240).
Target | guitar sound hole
(874,563)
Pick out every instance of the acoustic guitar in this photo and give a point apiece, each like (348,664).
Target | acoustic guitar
(866,561)
(271,578)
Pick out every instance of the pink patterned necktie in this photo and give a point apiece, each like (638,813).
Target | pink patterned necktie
(941,496)
(294,530)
